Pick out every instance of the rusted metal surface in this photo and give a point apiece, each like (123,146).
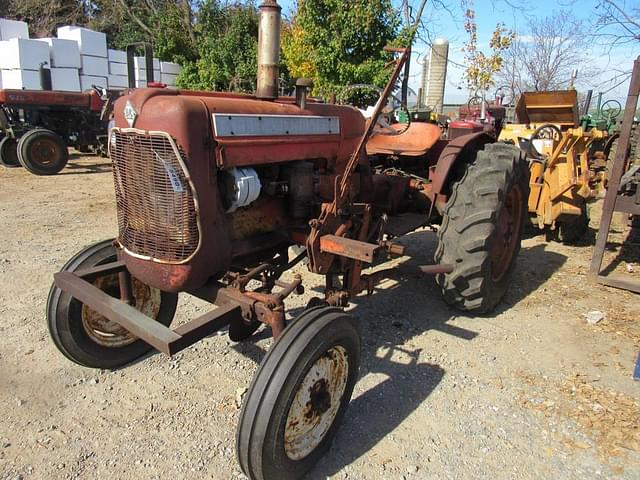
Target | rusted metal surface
(611,200)
(316,403)
(268,50)
(450,155)
(507,235)
(18,98)
(349,248)
(415,141)
(139,324)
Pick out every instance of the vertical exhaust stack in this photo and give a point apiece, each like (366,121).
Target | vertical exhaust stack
(268,50)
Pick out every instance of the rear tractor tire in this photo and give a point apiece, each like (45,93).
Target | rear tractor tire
(481,228)
(9,153)
(42,152)
(89,339)
(298,396)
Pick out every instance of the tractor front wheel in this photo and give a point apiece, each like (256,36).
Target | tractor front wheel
(42,152)
(88,338)
(481,228)
(299,396)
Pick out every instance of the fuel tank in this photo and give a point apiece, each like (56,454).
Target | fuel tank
(170,149)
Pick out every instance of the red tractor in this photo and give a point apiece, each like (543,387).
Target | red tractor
(212,190)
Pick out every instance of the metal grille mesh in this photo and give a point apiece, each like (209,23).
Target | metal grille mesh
(157,214)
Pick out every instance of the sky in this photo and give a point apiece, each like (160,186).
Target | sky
(514,14)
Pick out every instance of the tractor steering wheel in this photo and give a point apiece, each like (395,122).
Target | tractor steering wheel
(612,111)
(385,120)
(547,131)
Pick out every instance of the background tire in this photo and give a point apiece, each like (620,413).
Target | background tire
(42,152)
(273,440)
(9,153)
(72,324)
(572,229)
(481,228)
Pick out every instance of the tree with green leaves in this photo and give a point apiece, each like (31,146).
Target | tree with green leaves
(339,43)
(227,39)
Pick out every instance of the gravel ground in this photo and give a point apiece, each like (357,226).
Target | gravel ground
(532,391)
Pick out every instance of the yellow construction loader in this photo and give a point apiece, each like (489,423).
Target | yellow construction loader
(567,164)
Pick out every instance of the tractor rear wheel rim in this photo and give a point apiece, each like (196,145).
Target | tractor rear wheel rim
(44,151)
(107,333)
(508,226)
(316,403)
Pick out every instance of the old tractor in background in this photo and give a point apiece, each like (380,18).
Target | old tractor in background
(567,162)
(212,189)
(38,126)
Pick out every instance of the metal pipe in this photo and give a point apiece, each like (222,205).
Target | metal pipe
(268,50)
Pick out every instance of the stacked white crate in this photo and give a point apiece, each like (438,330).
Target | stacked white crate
(118,78)
(93,55)
(20,62)
(65,63)
(169,73)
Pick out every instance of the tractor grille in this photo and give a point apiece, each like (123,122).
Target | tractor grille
(157,211)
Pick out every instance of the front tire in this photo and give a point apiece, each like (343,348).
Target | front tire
(481,228)
(299,395)
(89,339)
(42,152)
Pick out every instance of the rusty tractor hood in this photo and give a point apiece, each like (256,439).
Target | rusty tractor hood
(211,132)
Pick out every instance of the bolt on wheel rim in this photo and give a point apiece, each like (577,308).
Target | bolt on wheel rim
(316,403)
(107,333)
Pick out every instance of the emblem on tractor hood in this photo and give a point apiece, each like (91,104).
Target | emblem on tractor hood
(129,113)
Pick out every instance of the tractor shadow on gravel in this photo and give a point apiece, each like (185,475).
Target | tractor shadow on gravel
(402,309)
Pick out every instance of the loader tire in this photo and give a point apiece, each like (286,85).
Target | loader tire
(573,229)
(482,226)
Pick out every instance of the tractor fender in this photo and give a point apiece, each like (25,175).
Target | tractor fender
(450,156)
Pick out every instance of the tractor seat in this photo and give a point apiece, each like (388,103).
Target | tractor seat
(416,141)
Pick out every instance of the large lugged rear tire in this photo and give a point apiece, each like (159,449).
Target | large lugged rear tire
(87,338)
(299,396)
(481,228)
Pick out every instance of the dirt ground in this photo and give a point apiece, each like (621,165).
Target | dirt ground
(530,392)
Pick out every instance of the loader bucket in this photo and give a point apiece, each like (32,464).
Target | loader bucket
(557,107)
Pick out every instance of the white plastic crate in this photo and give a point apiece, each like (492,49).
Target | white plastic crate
(24,54)
(65,79)
(21,79)
(139,63)
(63,53)
(87,82)
(118,81)
(13,29)
(168,78)
(117,56)
(90,42)
(117,68)
(142,75)
(170,68)
(96,66)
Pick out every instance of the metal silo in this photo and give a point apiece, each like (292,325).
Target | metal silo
(435,74)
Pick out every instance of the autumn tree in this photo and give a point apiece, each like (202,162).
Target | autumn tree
(481,70)
(338,43)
